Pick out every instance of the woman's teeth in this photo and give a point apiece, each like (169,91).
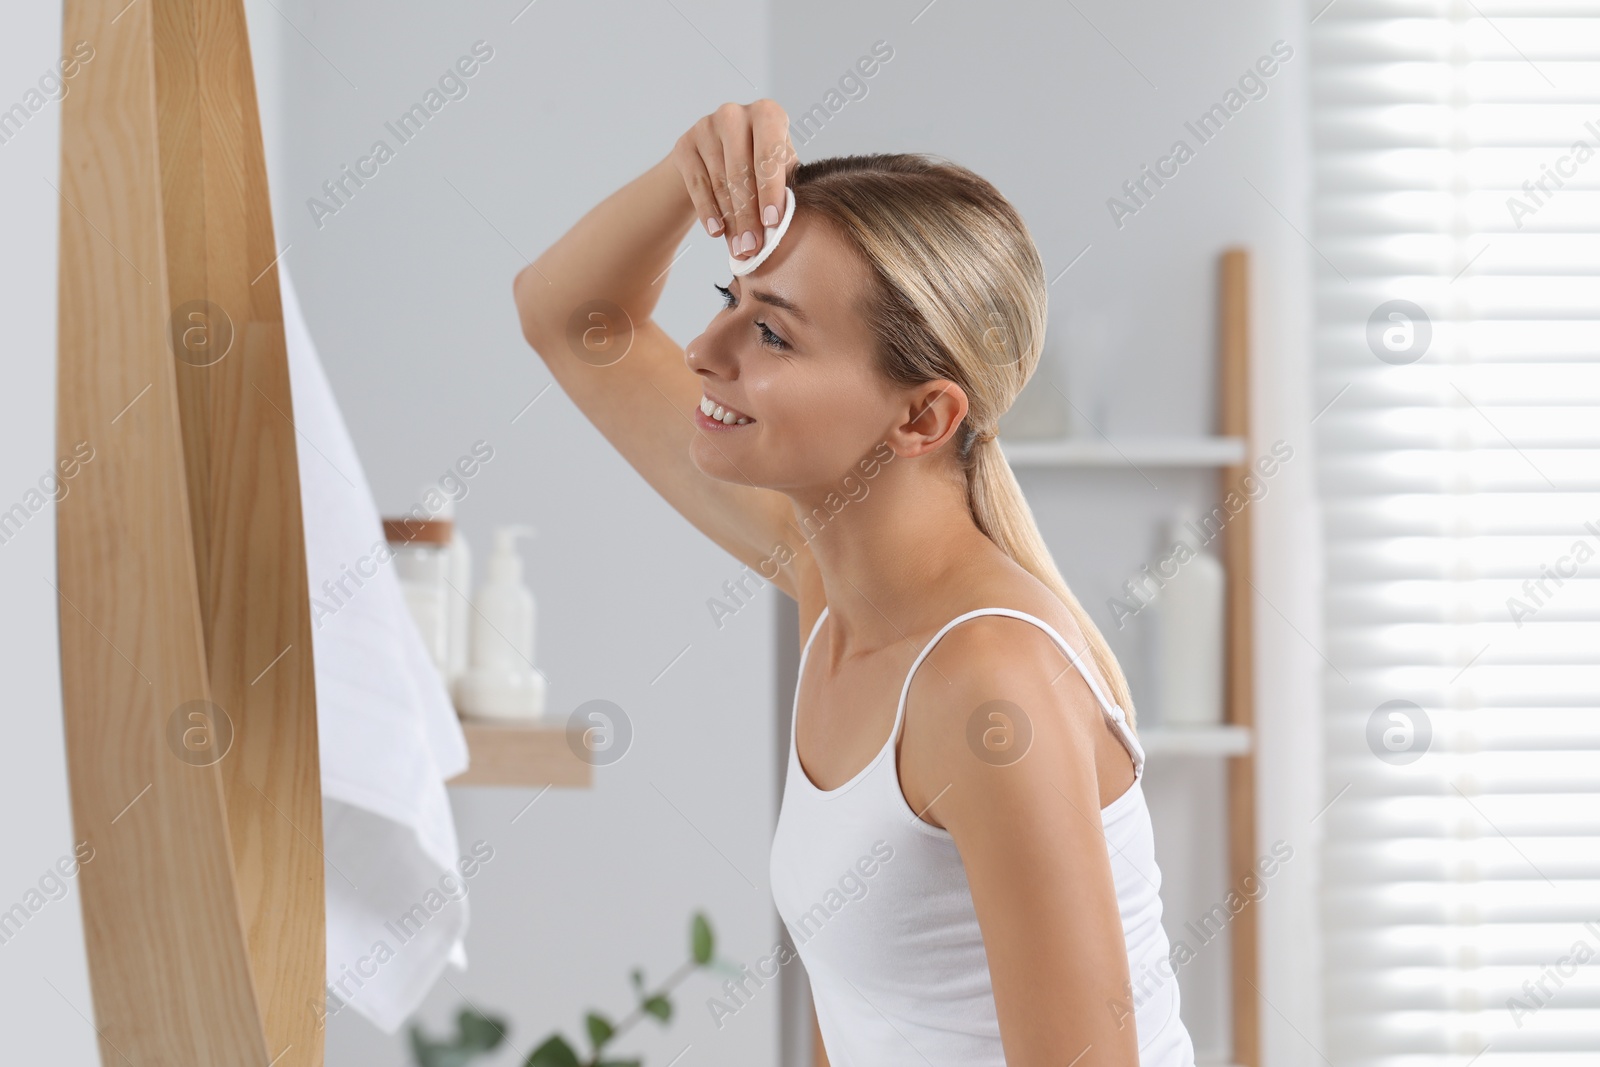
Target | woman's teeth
(721,414)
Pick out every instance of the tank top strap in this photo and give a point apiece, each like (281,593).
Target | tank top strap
(1113,712)
(800,674)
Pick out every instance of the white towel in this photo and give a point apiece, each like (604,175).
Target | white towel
(388,733)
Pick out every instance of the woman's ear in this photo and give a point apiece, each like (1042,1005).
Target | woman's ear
(933,412)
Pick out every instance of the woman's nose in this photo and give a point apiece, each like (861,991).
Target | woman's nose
(713,352)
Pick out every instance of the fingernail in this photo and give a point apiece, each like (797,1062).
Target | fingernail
(713,225)
(749,241)
(769,217)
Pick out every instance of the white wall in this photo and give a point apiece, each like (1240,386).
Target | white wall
(408,292)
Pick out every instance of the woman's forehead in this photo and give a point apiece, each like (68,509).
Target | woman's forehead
(817,270)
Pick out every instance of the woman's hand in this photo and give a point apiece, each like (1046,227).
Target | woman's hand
(733,162)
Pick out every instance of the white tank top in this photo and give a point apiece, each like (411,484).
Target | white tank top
(877,903)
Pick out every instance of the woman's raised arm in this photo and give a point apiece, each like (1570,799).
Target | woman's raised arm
(585,306)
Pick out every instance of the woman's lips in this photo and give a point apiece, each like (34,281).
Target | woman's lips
(712,408)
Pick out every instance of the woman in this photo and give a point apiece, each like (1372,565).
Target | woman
(963,854)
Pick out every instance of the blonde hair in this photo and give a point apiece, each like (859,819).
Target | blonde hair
(960,296)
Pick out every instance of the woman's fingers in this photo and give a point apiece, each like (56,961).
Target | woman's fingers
(773,152)
(691,165)
(710,147)
(734,163)
(744,227)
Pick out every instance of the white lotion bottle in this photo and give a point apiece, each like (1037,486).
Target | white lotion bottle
(1191,626)
(500,682)
(422,563)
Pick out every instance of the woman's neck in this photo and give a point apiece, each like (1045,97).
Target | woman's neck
(888,553)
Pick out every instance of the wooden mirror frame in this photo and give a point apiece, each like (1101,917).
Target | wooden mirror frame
(186,656)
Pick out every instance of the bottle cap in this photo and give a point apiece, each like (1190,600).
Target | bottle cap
(408,531)
(505,565)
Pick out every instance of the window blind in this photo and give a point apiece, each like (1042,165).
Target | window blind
(1456,228)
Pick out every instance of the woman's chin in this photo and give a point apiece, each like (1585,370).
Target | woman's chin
(717,457)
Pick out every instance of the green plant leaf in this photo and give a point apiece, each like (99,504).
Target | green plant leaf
(638,979)
(701,940)
(553,1053)
(600,1029)
(475,1035)
(660,1007)
(421,1047)
(480,1032)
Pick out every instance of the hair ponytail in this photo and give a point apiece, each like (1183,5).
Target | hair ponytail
(960,296)
(1002,513)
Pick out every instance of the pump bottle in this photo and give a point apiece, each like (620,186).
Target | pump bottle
(500,682)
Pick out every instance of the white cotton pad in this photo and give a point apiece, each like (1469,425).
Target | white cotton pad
(769,241)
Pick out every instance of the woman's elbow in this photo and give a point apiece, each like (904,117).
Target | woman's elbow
(532,311)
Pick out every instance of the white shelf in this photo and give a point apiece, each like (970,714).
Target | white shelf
(1196,740)
(1126,452)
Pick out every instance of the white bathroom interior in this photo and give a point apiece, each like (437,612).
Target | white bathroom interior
(404,283)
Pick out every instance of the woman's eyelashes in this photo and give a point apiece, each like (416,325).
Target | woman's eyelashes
(768,338)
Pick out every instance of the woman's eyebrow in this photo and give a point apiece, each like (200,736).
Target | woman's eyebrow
(779,302)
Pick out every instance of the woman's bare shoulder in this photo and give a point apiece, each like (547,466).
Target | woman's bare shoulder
(1014,588)
(988,648)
